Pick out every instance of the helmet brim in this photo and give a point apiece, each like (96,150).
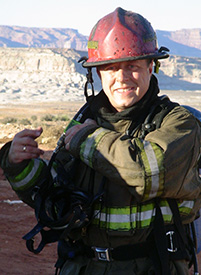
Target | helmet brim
(159,55)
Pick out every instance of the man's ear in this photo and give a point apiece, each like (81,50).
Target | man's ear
(151,67)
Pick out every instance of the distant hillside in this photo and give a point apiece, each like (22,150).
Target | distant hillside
(186,42)
(20,37)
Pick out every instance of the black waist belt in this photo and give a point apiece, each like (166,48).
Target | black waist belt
(130,252)
(120,253)
(125,252)
(139,250)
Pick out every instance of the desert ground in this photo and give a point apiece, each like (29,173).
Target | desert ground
(17,218)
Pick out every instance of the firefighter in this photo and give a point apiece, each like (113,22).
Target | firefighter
(145,175)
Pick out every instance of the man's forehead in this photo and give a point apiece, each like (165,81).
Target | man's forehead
(122,63)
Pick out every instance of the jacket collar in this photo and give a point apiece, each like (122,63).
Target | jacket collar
(102,109)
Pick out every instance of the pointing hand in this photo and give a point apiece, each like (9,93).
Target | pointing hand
(24,146)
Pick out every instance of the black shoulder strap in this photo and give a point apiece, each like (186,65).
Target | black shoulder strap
(157,113)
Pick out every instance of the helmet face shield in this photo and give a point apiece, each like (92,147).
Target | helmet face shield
(122,36)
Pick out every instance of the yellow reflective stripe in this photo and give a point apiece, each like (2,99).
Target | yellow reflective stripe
(24,173)
(160,171)
(89,145)
(132,217)
(152,158)
(115,221)
(27,177)
(185,207)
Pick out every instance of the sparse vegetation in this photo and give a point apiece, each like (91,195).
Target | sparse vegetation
(50,117)
(34,118)
(53,124)
(25,121)
(8,120)
(62,118)
(47,117)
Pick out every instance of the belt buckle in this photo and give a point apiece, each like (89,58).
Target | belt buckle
(102,254)
(172,248)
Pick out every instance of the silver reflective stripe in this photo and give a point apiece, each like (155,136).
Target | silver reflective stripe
(154,168)
(122,218)
(188,204)
(53,171)
(29,177)
(90,145)
(115,218)
(124,221)
(146,215)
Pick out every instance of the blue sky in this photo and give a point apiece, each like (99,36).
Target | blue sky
(83,14)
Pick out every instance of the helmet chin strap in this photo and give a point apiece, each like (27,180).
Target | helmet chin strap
(89,79)
(157,63)
(156,66)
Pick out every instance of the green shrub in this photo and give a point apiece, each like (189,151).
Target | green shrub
(10,120)
(33,118)
(48,117)
(25,121)
(61,118)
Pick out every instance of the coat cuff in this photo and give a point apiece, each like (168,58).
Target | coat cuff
(8,168)
(79,138)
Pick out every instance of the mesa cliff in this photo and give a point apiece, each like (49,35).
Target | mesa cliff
(43,74)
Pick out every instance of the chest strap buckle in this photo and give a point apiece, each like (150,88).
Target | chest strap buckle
(102,254)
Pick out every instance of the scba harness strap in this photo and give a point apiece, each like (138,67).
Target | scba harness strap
(59,205)
(61,212)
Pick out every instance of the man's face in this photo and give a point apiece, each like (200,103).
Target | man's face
(125,83)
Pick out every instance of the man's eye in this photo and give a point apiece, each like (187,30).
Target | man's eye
(133,67)
(110,68)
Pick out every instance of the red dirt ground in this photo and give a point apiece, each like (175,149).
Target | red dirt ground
(16,221)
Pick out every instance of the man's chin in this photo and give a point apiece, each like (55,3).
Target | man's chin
(124,106)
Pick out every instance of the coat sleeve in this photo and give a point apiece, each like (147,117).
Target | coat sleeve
(161,165)
(180,139)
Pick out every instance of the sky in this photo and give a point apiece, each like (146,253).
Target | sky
(168,15)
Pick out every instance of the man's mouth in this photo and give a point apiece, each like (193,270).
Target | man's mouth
(124,90)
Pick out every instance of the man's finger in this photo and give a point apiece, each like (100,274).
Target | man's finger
(30,133)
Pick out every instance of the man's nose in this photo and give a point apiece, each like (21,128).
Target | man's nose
(121,75)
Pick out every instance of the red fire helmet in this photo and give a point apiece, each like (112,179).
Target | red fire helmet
(121,36)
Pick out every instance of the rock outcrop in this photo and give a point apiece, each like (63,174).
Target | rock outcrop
(28,74)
